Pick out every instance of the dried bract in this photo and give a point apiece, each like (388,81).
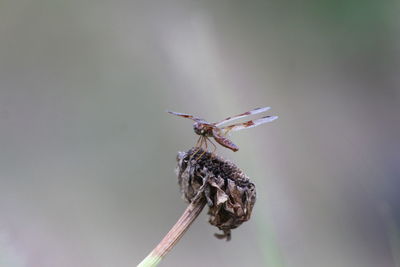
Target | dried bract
(228,191)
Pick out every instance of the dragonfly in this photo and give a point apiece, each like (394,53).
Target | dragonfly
(219,132)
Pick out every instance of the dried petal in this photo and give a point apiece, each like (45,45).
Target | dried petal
(228,191)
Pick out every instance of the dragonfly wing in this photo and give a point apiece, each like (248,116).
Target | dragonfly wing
(248,124)
(188,116)
(248,113)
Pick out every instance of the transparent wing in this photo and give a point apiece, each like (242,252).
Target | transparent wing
(188,116)
(248,124)
(248,113)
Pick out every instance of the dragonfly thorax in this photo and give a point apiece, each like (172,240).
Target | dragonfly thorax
(202,129)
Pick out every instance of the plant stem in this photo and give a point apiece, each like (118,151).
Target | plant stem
(174,235)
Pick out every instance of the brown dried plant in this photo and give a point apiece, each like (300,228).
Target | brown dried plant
(207,179)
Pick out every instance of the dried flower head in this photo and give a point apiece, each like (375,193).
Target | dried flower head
(228,191)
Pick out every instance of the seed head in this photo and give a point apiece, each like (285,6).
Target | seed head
(228,191)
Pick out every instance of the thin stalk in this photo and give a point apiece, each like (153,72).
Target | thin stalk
(174,235)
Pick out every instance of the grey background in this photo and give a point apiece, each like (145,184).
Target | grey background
(88,153)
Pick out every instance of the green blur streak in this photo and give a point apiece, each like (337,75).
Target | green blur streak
(272,256)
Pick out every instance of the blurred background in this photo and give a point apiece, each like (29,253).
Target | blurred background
(88,153)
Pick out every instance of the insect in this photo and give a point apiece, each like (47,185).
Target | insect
(218,132)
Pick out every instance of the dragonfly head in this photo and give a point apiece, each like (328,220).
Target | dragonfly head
(199,128)
(202,129)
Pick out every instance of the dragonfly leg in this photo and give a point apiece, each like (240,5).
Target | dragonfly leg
(215,147)
(198,141)
(203,140)
(199,145)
